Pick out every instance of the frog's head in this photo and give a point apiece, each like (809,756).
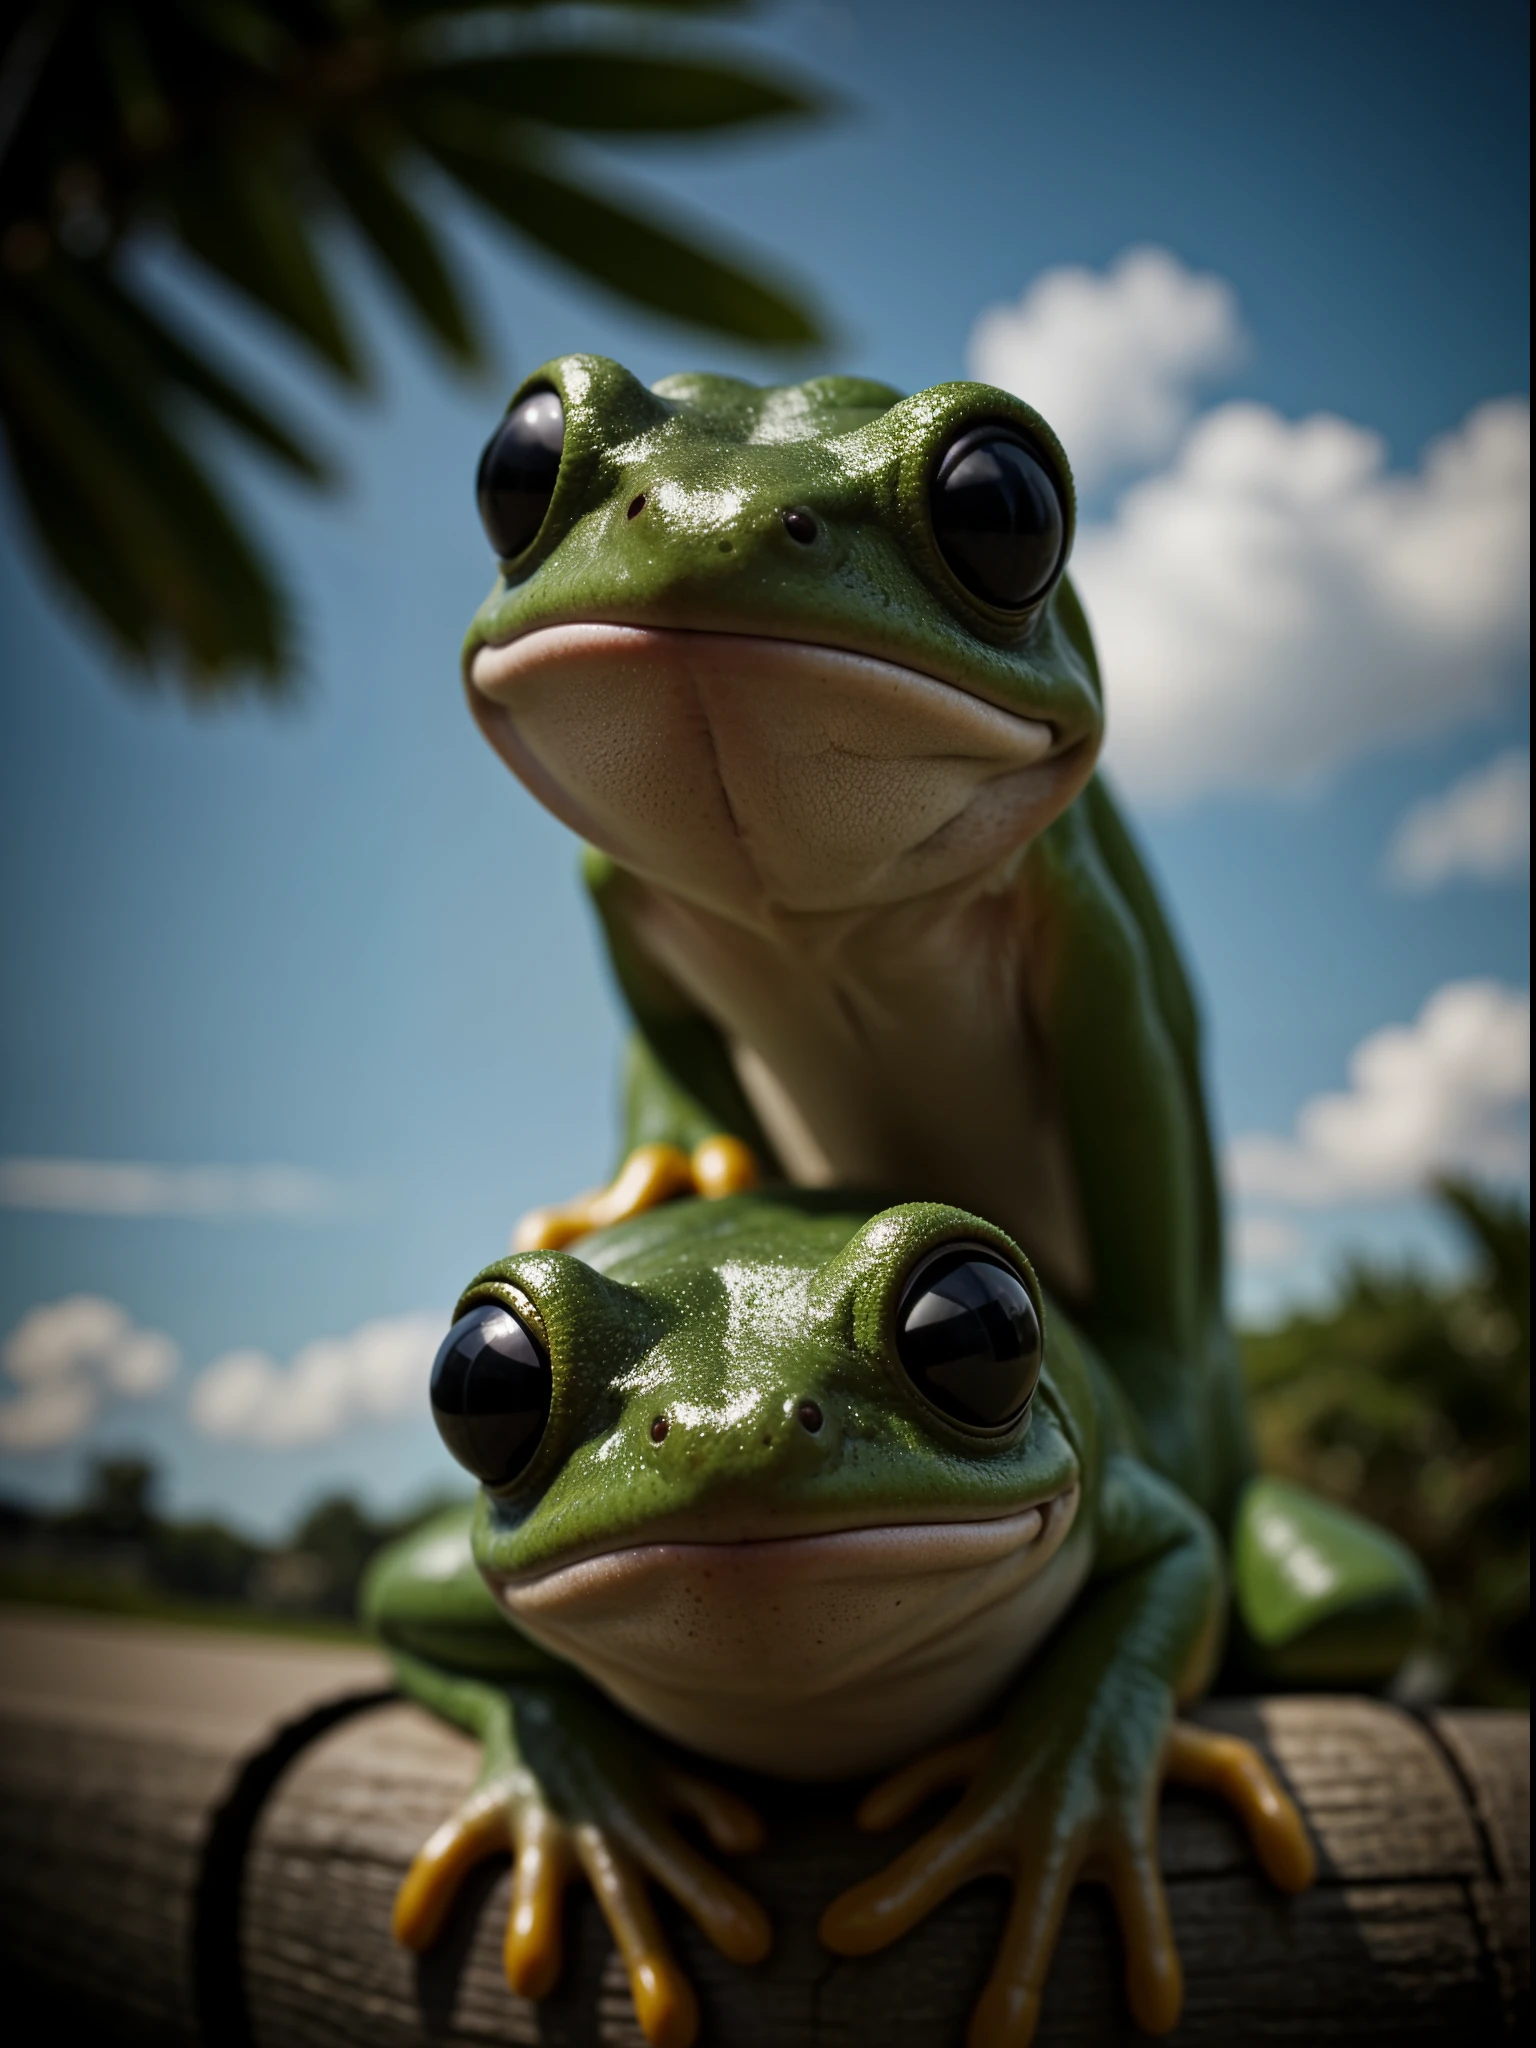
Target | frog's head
(802,648)
(792,1482)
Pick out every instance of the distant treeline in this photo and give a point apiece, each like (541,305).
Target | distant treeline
(115,1550)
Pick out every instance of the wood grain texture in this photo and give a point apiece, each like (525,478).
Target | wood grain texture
(100,1840)
(109,1792)
(119,1743)
(1391,1946)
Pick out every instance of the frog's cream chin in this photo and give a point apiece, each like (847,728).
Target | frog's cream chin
(812,1657)
(759,776)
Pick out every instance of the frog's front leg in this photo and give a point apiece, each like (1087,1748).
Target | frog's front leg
(719,1164)
(570,1788)
(1067,1787)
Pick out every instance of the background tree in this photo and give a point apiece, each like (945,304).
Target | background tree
(241,129)
(1411,1402)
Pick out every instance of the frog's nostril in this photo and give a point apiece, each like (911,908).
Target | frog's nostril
(809,1416)
(659,1429)
(636,506)
(800,526)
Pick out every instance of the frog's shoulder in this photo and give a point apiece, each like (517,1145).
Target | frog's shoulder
(821,407)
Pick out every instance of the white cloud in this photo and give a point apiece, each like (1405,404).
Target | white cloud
(67,1357)
(378,1371)
(1478,830)
(1112,360)
(119,1187)
(1264,1241)
(1443,1094)
(1277,602)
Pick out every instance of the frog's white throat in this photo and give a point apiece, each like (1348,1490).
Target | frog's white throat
(812,1657)
(757,776)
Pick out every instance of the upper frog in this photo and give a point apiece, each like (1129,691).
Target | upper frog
(924,539)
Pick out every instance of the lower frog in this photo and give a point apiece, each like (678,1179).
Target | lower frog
(819,1490)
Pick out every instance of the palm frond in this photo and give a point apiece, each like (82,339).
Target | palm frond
(236,209)
(178,576)
(248,127)
(619,92)
(600,239)
(401,239)
(110,319)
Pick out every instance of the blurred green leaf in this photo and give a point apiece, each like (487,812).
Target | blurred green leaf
(237,210)
(602,240)
(113,323)
(177,561)
(246,127)
(418,10)
(401,239)
(623,94)
(75,534)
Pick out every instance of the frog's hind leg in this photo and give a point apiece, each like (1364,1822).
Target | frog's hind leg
(1322,1597)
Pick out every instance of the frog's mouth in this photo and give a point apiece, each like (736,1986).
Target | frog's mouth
(754,774)
(811,1656)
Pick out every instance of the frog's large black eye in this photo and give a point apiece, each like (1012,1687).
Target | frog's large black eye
(968,1336)
(998,517)
(490,1393)
(516,478)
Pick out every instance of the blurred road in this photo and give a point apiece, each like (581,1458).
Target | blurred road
(96,1670)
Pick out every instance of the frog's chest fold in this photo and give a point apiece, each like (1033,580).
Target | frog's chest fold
(821,841)
(894,1052)
(760,776)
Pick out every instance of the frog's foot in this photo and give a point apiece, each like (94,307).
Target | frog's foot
(1323,1597)
(508,1815)
(721,1165)
(1045,1847)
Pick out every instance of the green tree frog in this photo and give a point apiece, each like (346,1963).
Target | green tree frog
(818,1488)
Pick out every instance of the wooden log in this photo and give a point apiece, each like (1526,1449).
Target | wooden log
(121,1744)
(184,1879)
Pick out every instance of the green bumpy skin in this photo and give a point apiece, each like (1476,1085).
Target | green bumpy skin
(812,1571)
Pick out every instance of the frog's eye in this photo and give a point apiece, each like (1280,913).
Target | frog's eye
(490,1393)
(516,478)
(969,1337)
(998,517)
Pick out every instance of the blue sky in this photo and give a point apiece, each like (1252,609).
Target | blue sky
(339,938)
